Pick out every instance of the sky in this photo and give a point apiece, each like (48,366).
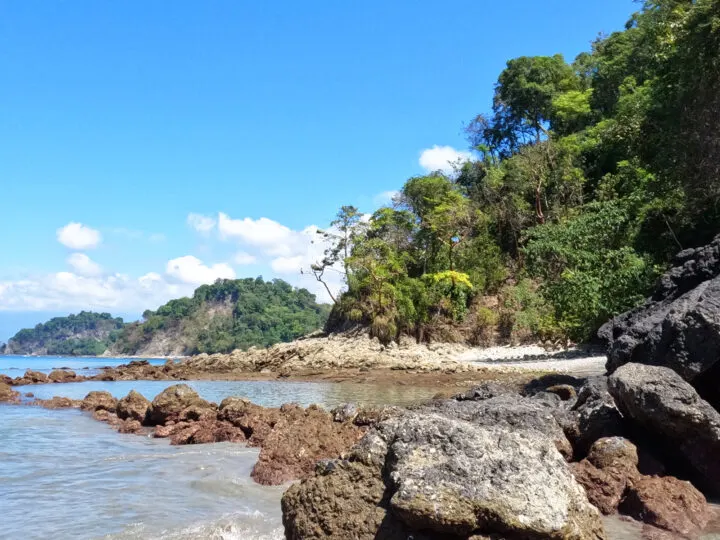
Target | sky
(149,147)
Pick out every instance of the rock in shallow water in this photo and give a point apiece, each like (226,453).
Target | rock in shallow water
(432,476)
(97,400)
(170,403)
(133,406)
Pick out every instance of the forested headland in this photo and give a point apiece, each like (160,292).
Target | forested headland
(227,315)
(588,176)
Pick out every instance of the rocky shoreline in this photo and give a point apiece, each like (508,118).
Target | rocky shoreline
(511,458)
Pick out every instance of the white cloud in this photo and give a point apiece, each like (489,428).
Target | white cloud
(191,270)
(67,291)
(242,258)
(78,236)
(202,224)
(267,234)
(385,198)
(290,265)
(442,158)
(84,265)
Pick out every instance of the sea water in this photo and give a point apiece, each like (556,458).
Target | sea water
(64,475)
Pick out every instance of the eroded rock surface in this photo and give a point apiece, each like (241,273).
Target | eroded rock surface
(432,476)
(133,406)
(658,401)
(171,402)
(679,326)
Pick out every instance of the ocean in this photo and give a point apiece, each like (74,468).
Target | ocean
(64,475)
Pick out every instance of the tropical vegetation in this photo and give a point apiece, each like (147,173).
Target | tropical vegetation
(587,177)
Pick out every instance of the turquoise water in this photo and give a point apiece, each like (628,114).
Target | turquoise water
(15,366)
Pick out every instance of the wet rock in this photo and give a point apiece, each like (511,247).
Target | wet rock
(130,426)
(62,376)
(444,478)
(679,326)
(99,400)
(172,401)
(658,401)
(666,503)
(4,379)
(36,377)
(133,406)
(205,431)
(8,394)
(58,403)
(298,440)
(255,421)
(29,394)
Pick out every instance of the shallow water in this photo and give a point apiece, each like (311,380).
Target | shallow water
(15,366)
(66,476)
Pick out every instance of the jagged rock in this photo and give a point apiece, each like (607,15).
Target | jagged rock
(99,400)
(511,410)
(679,326)
(169,404)
(204,431)
(8,394)
(483,391)
(58,402)
(666,503)
(133,406)
(593,416)
(444,478)
(36,377)
(298,440)
(62,376)
(658,401)
(605,473)
(255,421)
(345,413)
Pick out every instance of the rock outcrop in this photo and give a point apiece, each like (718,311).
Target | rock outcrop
(299,439)
(660,404)
(679,326)
(134,406)
(99,400)
(8,394)
(171,402)
(431,476)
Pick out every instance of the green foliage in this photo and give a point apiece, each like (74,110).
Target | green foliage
(86,333)
(228,315)
(588,177)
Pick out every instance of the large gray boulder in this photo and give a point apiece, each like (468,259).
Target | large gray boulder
(430,476)
(509,410)
(657,400)
(679,326)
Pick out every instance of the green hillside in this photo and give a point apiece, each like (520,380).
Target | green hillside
(228,315)
(86,333)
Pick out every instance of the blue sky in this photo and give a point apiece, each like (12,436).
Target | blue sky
(146,147)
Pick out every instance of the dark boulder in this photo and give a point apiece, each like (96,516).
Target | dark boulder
(679,326)
(658,402)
